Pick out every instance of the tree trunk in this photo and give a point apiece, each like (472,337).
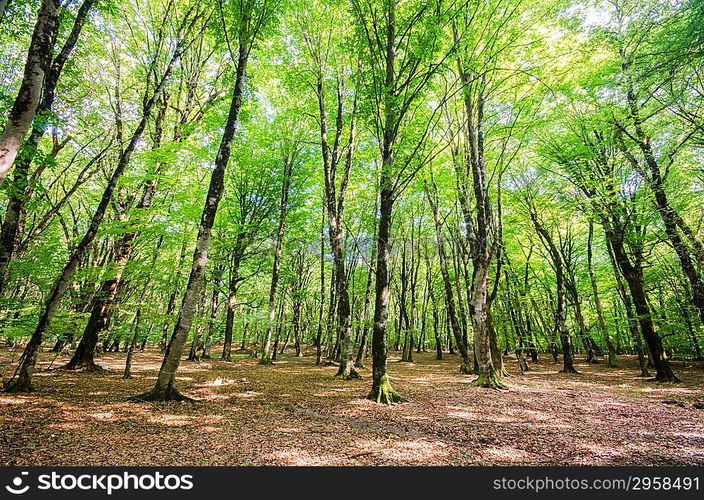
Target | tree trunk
(37,64)
(382,392)
(15,206)
(633,275)
(21,381)
(466,362)
(133,343)
(104,301)
(283,209)
(164,389)
(597,300)
(561,309)
(213,316)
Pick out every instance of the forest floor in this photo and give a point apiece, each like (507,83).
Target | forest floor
(296,413)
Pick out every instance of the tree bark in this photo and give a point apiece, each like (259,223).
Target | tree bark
(130,351)
(21,381)
(466,360)
(561,310)
(164,389)
(19,190)
(25,105)
(597,300)
(633,274)
(289,160)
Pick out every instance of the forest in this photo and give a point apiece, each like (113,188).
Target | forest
(363,232)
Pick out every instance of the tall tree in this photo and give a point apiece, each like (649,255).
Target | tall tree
(20,180)
(290,149)
(337,149)
(247,17)
(22,378)
(30,91)
(403,50)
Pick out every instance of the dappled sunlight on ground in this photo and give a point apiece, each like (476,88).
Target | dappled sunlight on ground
(296,413)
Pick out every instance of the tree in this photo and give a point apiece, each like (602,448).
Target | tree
(248,18)
(403,51)
(21,380)
(337,155)
(20,181)
(36,66)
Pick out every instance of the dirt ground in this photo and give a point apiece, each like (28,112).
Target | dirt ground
(296,413)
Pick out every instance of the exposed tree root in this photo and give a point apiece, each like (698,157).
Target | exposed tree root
(490,381)
(466,369)
(84,366)
(666,377)
(384,393)
(16,385)
(348,373)
(571,370)
(160,395)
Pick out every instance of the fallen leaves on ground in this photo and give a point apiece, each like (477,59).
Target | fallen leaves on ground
(297,413)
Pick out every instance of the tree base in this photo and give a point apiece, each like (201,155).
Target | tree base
(465,369)
(666,377)
(266,361)
(384,393)
(570,369)
(20,384)
(89,366)
(645,374)
(157,395)
(348,373)
(490,381)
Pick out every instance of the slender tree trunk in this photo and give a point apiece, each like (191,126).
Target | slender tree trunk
(19,191)
(164,389)
(231,305)
(321,310)
(283,209)
(466,361)
(561,305)
(365,315)
(597,300)
(213,317)
(633,275)
(37,64)
(104,301)
(133,343)
(21,381)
